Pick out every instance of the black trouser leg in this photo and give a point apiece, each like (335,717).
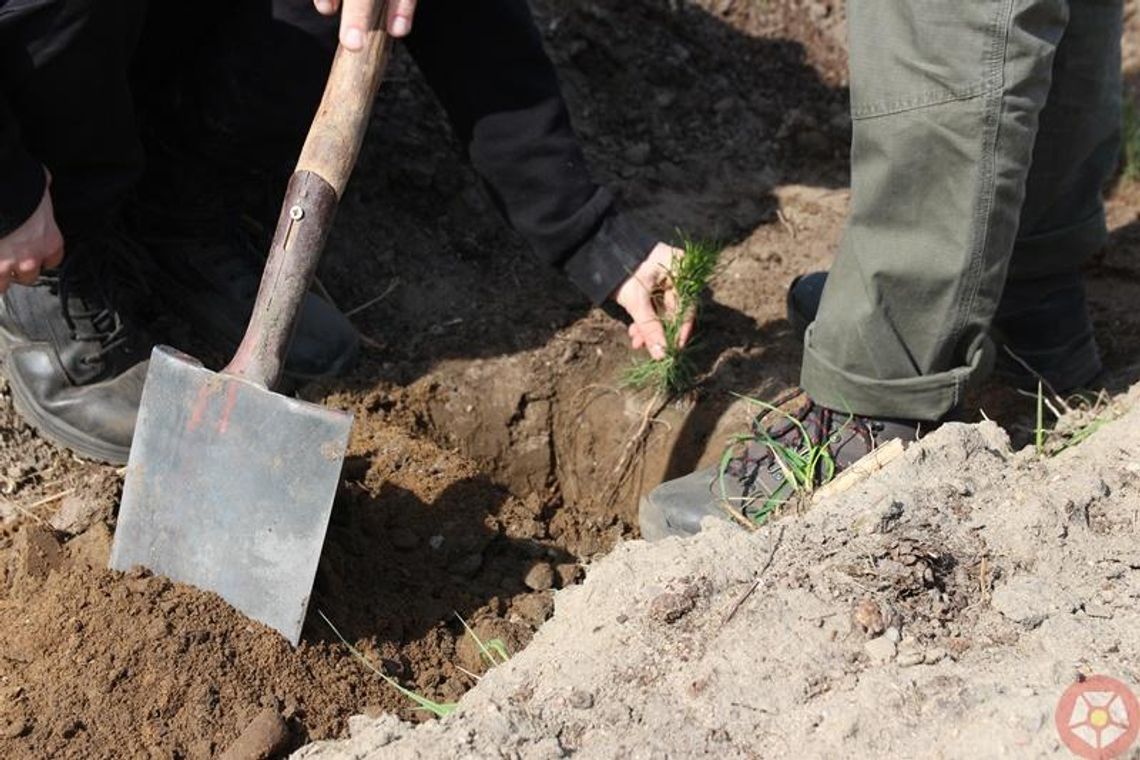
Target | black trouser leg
(63,74)
(486,63)
(242,86)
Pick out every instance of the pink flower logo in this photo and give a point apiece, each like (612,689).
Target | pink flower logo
(1098,718)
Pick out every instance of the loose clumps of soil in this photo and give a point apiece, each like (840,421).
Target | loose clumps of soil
(92,660)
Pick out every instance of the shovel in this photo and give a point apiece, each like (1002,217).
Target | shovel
(229,485)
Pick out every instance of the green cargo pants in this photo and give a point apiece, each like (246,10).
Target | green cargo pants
(983,133)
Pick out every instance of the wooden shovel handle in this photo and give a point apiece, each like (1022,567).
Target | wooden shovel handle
(334,139)
(311,199)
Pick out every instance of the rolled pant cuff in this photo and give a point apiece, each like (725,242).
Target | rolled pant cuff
(926,398)
(1058,251)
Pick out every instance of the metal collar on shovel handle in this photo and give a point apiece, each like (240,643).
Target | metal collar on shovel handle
(229,485)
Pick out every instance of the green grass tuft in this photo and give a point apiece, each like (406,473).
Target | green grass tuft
(493,650)
(689,275)
(1131,139)
(1076,418)
(804,469)
(439,709)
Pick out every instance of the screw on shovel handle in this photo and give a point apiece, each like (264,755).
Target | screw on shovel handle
(310,203)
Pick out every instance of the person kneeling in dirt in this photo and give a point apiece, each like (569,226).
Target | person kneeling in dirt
(212,89)
(982,139)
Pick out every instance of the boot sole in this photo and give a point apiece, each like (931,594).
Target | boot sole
(61,435)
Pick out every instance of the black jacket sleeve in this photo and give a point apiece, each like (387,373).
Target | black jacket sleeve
(486,63)
(21,176)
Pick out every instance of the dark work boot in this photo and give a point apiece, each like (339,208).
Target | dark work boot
(74,364)
(1042,328)
(213,284)
(789,453)
(200,224)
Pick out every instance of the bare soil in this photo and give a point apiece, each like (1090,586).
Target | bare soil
(494,454)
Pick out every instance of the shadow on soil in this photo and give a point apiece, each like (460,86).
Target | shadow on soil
(395,567)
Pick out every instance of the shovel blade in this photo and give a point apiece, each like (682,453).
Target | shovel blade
(229,488)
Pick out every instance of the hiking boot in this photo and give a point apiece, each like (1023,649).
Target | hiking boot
(1042,329)
(75,366)
(793,449)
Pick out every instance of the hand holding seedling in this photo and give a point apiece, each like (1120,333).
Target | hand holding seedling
(662,297)
(636,295)
(34,244)
(358,15)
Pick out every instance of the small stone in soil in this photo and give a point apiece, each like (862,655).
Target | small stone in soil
(403,539)
(533,608)
(540,577)
(263,738)
(671,607)
(637,154)
(880,650)
(581,700)
(40,551)
(868,617)
(910,659)
(468,565)
(568,574)
(1095,610)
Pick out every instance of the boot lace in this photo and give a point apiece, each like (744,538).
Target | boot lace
(796,446)
(91,289)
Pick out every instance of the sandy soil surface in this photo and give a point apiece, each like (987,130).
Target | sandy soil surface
(939,609)
(495,458)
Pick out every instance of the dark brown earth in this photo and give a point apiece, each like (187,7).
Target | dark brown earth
(493,445)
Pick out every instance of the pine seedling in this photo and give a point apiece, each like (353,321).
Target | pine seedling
(1131,139)
(688,275)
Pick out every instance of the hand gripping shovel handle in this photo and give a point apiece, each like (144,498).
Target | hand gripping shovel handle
(310,203)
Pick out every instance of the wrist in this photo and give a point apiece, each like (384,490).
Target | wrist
(21,190)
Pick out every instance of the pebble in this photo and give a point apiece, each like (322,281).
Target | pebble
(533,609)
(881,649)
(540,577)
(1093,609)
(467,565)
(568,574)
(581,700)
(934,655)
(910,659)
(638,153)
(435,542)
(893,634)
(404,539)
(725,104)
(671,607)
(265,737)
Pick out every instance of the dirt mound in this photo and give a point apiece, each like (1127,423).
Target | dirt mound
(946,602)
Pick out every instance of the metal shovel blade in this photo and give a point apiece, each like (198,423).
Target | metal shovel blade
(229,488)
